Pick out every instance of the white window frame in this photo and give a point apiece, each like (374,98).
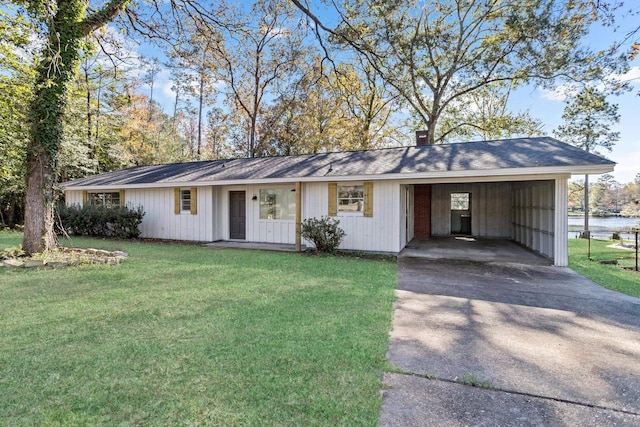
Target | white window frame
(183,200)
(263,193)
(349,212)
(91,198)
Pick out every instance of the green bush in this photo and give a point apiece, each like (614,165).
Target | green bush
(324,233)
(121,222)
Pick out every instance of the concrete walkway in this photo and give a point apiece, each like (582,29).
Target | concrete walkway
(552,347)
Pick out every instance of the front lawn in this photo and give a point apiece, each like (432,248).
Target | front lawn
(609,276)
(185,335)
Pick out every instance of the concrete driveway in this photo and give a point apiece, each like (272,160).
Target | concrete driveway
(548,347)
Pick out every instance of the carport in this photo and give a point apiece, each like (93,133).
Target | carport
(528,210)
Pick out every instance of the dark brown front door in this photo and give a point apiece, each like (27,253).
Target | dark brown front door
(237,215)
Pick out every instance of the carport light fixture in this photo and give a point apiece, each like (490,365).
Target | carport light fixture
(254,197)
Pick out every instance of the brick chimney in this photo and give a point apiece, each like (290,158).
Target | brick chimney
(421,137)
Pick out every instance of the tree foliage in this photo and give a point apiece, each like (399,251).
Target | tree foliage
(435,53)
(483,114)
(16,80)
(588,118)
(260,54)
(587,124)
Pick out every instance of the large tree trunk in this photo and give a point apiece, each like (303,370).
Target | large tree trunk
(39,235)
(42,151)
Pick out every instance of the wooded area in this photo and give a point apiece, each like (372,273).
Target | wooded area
(607,197)
(273,77)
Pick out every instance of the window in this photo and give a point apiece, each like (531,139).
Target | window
(350,198)
(185,200)
(459,201)
(278,204)
(108,199)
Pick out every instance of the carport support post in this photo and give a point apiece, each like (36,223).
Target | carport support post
(298,216)
(561,226)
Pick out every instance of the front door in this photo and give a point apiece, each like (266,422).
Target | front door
(461,213)
(237,215)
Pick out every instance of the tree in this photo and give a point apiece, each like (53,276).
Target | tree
(370,104)
(146,132)
(435,52)
(588,117)
(16,81)
(63,26)
(483,114)
(194,62)
(575,196)
(314,117)
(66,24)
(259,54)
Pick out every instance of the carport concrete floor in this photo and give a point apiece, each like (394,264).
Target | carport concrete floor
(473,249)
(545,345)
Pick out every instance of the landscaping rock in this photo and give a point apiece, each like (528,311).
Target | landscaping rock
(34,263)
(70,256)
(12,263)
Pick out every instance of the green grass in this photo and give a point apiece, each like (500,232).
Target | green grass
(609,276)
(184,335)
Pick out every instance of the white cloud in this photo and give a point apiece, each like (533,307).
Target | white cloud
(560,93)
(564,91)
(115,48)
(632,76)
(165,83)
(627,164)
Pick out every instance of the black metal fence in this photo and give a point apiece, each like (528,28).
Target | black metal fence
(619,236)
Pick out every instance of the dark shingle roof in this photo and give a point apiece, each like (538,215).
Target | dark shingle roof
(470,156)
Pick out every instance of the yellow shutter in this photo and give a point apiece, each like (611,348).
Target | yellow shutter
(194,201)
(333,199)
(368,198)
(121,198)
(85,195)
(176,201)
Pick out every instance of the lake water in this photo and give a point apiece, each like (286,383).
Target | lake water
(604,227)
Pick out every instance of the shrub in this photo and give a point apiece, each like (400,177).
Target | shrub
(324,233)
(120,221)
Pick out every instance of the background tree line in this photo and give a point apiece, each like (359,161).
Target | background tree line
(607,197)
(266,78)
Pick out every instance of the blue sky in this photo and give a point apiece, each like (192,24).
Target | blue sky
(548,105)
